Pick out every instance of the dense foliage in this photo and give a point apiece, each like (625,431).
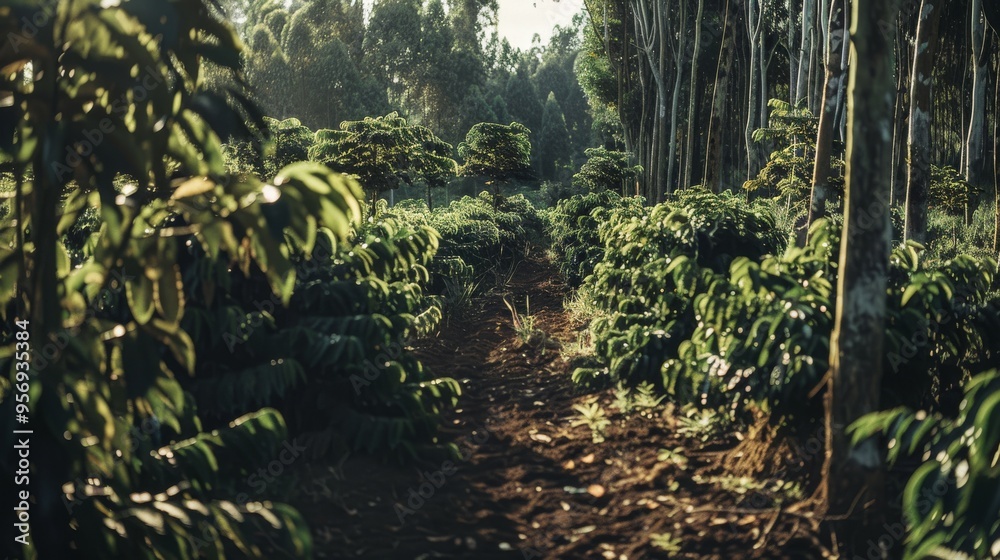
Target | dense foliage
(122,464)
(573,226)
(335,361)
(950,502)
(697,297)
(500,153)
(384,152)
(606,169)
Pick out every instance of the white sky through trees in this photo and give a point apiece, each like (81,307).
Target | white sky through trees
(521,19)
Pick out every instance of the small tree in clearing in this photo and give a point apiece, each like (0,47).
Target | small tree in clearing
(501,153)
(383,152)
(606,170)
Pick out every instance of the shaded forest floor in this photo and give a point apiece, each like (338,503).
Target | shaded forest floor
(533,485)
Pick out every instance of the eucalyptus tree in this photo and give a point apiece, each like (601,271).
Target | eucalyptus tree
(713,173)
(522,98)
(980,55)
(755,10)
(476,109)
(836,40)
(806,53)
(392,46)
(468,20)
(918,181)
(693,99)
(854,474)
(654,36)
(437,86)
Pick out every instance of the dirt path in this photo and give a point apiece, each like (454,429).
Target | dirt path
(533,485)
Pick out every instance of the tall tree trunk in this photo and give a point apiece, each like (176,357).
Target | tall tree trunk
(821,190)
(853,475)
(720,96)
(841,118)
(974,153)
(651,30)
(806,49)
(764,90)
(902,120)
(754,28)
(793,59)
(918,182)
(996,165)
(52,461)
(664,186)
(678,52)
(689,178)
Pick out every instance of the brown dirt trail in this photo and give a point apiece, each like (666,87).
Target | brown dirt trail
(535,486)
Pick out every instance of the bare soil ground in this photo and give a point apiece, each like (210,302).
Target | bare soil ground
(532,485)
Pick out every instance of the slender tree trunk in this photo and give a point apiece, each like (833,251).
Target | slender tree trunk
(817,81)
(720,95)
(754,25)
(841,119)
(806,49)
(902,120)
(853,475)
(51,468)
(664,186)
(678,59)
(918,181)
(974,152)
(822,191)
(689,178)
(651,32)
(996,165)
(793,59)
(764,90)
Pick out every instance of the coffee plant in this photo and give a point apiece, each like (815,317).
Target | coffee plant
(652,267)
(573,228)
(113,121)
(950,502)
(697,299)
(335,361)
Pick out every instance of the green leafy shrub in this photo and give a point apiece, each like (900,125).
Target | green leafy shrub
(950,503)
(950,192)
(606,170)
(484,237)
(694,300)
(287,142)
(336,360)
(573,228)
(654,265)
(789,169)
(127,465)
(950,236)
